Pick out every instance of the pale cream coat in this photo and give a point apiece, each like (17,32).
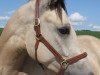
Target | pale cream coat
(18,39)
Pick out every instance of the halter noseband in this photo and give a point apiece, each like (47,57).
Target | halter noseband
(39,38)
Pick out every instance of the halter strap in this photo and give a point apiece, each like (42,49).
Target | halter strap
(37,8)
(39,38)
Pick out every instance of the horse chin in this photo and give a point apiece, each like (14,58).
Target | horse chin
(79,68)
(71,70)
(70,73)
(78,72)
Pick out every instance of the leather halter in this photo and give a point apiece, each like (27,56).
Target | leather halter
(39,38)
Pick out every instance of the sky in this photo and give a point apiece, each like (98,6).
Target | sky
(83,14)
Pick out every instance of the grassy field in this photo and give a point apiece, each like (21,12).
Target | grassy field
(82,32)
(87,32)
(1,30)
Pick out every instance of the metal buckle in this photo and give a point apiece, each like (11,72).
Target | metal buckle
(37,22)
(64,64)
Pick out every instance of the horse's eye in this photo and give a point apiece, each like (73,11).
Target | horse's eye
(64,30)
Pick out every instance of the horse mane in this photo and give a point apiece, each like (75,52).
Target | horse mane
(58,5)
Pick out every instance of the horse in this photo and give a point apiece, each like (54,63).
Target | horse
(18,39)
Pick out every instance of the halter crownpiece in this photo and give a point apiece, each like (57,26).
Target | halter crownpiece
(39,38)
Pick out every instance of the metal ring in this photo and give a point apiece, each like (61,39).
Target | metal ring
(64,64)
(37,22)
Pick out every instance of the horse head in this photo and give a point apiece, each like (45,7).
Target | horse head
(55,28)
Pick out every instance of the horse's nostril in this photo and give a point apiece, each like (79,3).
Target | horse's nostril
(64,30)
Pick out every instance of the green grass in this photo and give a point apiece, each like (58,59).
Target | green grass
(82,32)
(1,30)
(88,32)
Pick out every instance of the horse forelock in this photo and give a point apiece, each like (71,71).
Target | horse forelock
(57,5)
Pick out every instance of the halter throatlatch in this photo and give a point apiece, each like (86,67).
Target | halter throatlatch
(39,38)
